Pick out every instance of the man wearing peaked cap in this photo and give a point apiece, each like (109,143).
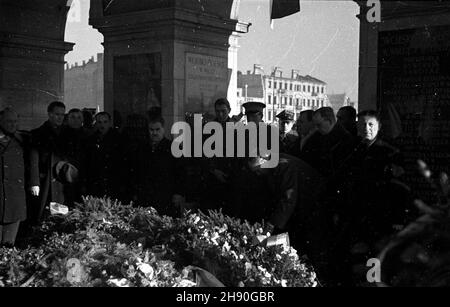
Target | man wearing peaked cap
(288,136)
(254,111)
(286,121)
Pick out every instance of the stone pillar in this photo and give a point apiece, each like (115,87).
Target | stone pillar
(405,70)
(368,61)
(32,51)
(180,55)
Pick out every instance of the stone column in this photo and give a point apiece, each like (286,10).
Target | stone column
(368,61)
(180,55)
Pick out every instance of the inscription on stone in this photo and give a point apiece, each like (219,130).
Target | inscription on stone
(414,98)
(206,81)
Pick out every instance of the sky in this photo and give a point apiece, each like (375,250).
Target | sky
(322,40)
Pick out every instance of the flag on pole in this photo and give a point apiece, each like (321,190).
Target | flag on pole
(283,8)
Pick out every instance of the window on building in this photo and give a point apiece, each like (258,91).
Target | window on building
(238,94)
(322,89)
(270,84)
(309,88)
(309,102)
(274,85)
(269,99)
(290,101)
(274,100)
(304,88)
(269,115)
(290,86)
(286,86)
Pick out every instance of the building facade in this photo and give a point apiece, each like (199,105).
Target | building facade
(295,93)
(83,84)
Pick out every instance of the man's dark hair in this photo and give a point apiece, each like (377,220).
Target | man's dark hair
(222,102)
(55,104)
(369,113)
(155,116)
(351,112)
(103,114)
(327,113)
(88,118)
(74,111)
(309,114)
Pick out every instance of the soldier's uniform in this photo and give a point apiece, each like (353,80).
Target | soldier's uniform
(284,196)
(288,139)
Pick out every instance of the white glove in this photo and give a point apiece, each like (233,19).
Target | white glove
(35,191)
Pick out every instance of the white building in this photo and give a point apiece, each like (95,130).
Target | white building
(295,93)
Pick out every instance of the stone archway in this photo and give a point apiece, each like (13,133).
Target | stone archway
(32,50)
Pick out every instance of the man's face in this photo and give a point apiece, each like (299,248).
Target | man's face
(103,124)
(9,122)
(156,132)
(305,126)
(323,126)
(254,117)
(222,113)
(75,120)
(368,128)
(56,117)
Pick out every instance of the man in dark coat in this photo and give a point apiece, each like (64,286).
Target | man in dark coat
(326,150)
(346,116)
(105,162)
(156,171)
(379,202)
(74,139)
(290,192)
(374,203)
(329,146)
(47,150)
(13,209)
(220,170)
(288,137)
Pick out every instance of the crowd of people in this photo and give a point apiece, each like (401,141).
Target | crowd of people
(336,189)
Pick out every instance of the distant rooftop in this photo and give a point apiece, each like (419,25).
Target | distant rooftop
(277,72)
(337,101)
(85,63)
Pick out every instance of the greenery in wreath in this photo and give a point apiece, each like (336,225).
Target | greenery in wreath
(104,243)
